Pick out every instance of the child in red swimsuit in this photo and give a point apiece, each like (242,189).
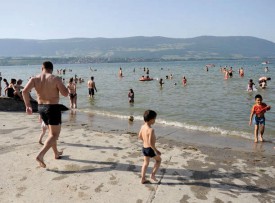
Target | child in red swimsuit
(258,109)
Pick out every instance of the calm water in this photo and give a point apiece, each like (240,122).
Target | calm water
(207,104)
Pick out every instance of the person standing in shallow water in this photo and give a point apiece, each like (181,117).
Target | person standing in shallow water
(91,87)
(131,96)
(47,88)
(257,115)
(72,93)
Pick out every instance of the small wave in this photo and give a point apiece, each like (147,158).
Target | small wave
(207,129)
(112,115)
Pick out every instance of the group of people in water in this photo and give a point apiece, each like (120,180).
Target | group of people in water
(251,86)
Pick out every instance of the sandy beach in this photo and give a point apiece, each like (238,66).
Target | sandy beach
(105,167)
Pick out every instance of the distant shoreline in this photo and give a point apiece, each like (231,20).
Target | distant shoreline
(15,61)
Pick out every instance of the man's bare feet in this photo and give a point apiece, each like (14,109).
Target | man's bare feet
(41,163)
(144,181)
(59,155)
(153,177)
(255,141)
(261,139)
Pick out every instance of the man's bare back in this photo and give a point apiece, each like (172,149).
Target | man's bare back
(47,88)
(91,84)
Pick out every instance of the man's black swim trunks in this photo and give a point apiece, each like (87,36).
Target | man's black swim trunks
(50,113)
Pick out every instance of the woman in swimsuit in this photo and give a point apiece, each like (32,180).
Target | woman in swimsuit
(72,93)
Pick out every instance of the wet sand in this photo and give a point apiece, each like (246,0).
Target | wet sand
(103,165)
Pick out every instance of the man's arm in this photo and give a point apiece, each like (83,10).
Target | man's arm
(62,88)
(26,95)
(94,86)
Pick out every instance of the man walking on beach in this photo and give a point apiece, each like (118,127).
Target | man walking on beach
(47,88)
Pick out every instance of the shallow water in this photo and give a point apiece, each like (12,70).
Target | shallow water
(207,104)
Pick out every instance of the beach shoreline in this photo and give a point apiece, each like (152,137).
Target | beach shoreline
(105,167)
(107,124)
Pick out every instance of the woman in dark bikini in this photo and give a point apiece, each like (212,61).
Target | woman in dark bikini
(72,93)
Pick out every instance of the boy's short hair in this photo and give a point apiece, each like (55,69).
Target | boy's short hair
(258,96)
(149,115)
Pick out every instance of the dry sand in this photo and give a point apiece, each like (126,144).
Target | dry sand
(105,167)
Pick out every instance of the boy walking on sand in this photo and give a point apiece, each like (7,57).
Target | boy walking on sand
(259,109)
(149,150)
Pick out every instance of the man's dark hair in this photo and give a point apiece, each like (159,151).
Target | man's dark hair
(149,115)
(48,65)
(92,78)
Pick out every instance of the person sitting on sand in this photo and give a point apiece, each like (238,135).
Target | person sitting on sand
(258,109)
(6,86)
(149,150)
(10,89)
(17,89)
(0,85)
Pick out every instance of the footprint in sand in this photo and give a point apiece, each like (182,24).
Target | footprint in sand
(60,177)
(98,189)
(24,178)
(84,187)
(20,191)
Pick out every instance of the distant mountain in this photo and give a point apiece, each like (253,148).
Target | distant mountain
(204,47)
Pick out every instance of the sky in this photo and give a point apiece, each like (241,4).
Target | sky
(61,19)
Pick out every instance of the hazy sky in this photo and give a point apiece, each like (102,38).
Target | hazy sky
(59,19)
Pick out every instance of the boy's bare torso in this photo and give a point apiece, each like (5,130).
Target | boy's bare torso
(148,136)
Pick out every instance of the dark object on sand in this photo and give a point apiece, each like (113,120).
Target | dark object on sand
(12,104)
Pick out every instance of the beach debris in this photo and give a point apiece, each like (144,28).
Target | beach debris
(191,148)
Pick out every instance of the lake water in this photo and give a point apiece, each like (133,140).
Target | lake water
(207,104)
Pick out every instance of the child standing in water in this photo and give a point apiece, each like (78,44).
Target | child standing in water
(184,80)
(258,109)
(149,150)
(250,85)
(131,96)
